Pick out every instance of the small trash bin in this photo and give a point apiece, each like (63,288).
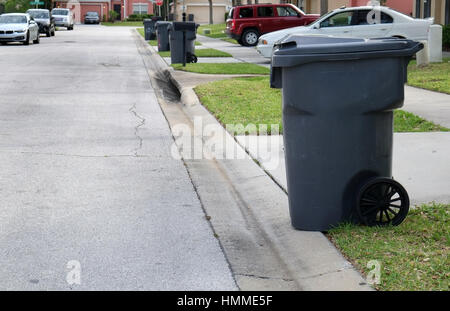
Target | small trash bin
(182,37)
(149,27)
(162,34)
(338,100)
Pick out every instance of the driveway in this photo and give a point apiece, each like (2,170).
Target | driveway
(91,196)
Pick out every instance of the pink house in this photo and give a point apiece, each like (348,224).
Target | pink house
(124,8)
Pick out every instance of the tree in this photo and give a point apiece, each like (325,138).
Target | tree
(17,6)
(211,12)
(175,10)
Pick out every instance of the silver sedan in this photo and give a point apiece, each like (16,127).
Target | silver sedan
(18,27)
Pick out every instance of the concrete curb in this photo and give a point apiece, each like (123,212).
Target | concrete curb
(309,259)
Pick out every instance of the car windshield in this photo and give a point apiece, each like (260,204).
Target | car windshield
(13,19)
(92,14)
(38,14)
(60,12)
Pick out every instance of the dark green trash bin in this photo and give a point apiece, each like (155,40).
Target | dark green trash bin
(339,95)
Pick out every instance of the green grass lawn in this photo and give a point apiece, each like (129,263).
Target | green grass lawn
(435,76)
(412,256)
(218,68)
(123,23)
(251,101)
(217,30)
(201,53)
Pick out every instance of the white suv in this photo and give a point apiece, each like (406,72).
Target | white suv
(63,18)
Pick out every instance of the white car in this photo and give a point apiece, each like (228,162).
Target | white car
(18,27)
(359,22)
(63,18)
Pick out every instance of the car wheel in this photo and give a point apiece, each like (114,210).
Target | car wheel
(240,41)
(37,40)
(250,37)
(48,33)
(27,39)
(3,43)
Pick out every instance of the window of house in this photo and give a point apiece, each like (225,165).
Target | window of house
(265,11)
(140,8)
(246,13)
(286,11)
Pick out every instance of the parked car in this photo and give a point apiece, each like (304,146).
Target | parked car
(246,23)
(359,22)
(45,21)
(63,18)
(91,18)
(18,27)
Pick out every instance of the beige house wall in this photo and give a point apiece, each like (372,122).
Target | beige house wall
(438,8)
(200,9)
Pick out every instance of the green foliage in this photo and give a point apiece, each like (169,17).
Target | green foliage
(113,15)
(17,6)
(138,17)
(446,36)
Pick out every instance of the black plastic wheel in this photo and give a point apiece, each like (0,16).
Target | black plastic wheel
(191,58)
(381,202)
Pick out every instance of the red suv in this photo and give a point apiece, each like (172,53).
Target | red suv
(246,23)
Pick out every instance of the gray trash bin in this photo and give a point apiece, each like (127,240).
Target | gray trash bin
(182,37)
(149,27)
(338,100)
(162,34)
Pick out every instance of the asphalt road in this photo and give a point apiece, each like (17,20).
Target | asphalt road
(87,176)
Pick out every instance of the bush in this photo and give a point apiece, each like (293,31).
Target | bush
(113,15)
(138,17)
(446,36)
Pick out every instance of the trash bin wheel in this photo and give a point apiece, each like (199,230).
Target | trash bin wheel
(191,58)
(382,202)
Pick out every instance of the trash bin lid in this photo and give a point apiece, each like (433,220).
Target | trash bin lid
(188,26)
(300,49)
(163,23)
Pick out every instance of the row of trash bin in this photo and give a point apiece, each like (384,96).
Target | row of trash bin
(338,98)
(176,37)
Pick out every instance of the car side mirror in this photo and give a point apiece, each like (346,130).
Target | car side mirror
(299,15)
(317,26)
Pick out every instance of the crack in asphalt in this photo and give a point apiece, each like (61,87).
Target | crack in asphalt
(136,129)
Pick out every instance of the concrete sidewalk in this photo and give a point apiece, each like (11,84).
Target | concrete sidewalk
(420,162)
(432,106)
(242,53)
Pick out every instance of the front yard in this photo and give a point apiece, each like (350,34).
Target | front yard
(251,101)
(412,256)
(434,77)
